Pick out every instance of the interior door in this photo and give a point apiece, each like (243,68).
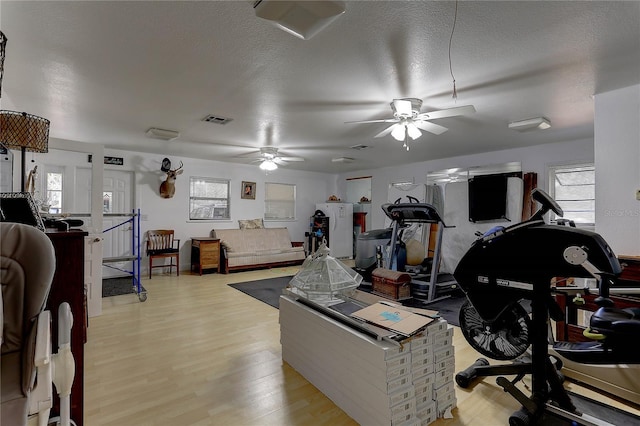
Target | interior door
(93,273)
(117,202)
(80,201)
(117,208)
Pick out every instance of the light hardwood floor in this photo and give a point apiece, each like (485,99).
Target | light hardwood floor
(199,352)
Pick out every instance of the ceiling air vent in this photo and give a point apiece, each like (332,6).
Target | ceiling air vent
(216,119)
(360,147)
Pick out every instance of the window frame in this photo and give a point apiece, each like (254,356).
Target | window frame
(192,198)
(267,201)
(47,191)
(552,172)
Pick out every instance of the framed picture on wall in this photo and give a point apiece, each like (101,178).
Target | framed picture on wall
(248,190)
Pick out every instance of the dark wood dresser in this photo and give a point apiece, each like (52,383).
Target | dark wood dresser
(68,286)
(630,275)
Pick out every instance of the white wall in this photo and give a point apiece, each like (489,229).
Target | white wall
(617,158)
(358,188)
(533,159)
(173,213)
(311,187)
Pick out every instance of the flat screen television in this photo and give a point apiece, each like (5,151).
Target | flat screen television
(488,198)
(19,207)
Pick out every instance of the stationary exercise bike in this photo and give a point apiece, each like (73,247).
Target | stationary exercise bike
(510,267)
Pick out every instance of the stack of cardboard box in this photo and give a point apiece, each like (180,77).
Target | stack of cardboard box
(376,382)
(432,367)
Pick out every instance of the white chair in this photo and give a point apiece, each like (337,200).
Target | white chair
(27,266)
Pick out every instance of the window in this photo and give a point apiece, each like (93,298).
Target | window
(54,192)
(279,201)
(573,187)
(208,199)
(107,197)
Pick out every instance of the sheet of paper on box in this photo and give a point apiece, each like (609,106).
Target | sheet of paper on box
(393,318)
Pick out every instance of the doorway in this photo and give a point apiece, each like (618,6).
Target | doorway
(117,205)
(359,193)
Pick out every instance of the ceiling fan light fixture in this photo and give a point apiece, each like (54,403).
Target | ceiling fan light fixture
(413,131)
(268,165)
(538,123)
(398,132)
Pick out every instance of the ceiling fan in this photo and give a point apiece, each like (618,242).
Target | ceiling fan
(270,159)
(408,121)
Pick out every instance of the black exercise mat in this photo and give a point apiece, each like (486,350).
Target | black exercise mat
(267,290)
(118,286)
(448,308)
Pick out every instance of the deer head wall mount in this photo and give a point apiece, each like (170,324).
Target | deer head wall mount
(168,187)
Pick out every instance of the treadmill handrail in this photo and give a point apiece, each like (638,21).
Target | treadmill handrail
(403,212)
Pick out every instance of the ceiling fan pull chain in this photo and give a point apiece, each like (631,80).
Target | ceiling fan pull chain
(453,28)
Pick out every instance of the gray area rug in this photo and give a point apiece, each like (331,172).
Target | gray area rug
(267,291)
(270,289)
(118,286)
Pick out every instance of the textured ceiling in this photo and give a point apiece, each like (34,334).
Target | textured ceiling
(105,72)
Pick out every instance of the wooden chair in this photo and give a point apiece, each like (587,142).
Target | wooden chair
(162,244)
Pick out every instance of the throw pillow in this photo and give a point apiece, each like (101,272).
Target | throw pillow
(251,224)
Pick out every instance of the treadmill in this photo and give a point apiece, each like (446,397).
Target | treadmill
(434,285)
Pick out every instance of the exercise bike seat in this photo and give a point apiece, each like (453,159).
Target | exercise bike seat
(612,321)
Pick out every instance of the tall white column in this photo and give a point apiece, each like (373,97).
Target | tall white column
(617,163)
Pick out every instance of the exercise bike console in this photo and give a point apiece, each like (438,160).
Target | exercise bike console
(547,203)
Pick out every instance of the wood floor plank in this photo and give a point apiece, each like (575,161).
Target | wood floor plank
(199,352)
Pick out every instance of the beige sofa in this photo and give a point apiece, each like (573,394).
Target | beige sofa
(257,248)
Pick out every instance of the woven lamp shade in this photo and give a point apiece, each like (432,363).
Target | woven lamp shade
(21,130)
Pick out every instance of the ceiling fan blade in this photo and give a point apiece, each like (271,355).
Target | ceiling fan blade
(402,107)
(427,126)
(450,112)
(248,154)
(291,158)
(386,120)
(386,131)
